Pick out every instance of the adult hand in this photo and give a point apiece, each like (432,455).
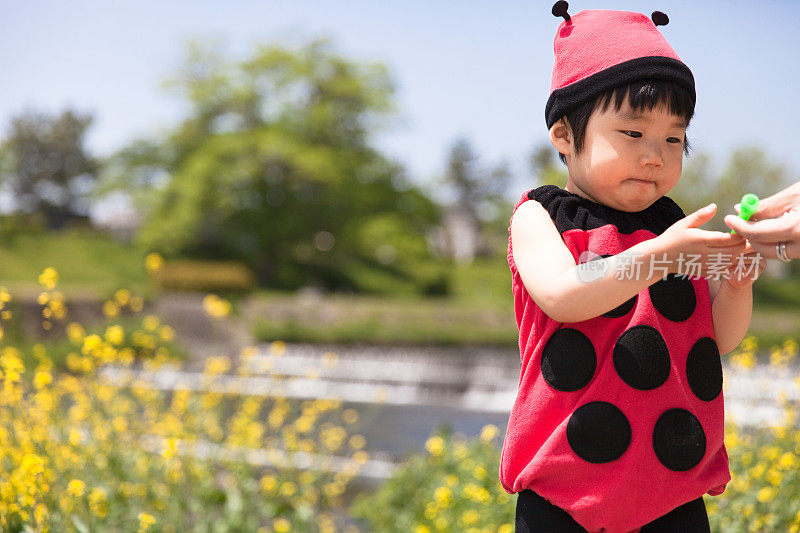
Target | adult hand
(776,220)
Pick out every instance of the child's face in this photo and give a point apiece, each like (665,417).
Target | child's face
(628,161)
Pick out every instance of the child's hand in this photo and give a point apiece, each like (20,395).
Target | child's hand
(685,239)
(745,270)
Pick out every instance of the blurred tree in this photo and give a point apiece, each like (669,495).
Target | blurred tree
(274,166)
(45,166)
(748,170)
(542,162)
(480,193)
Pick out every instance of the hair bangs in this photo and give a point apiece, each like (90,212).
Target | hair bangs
(642,95)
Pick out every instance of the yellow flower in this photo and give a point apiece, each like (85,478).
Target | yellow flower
(76,488)
(170,447)
(506,528)
(151,322)
(281,525)
(788,460)
(435,445)
(460,451)
(357,442)
(217,365)
(350,416)
(42,379)
(137,303)
(74,437)
(166,333)
(479,472)
(75,332)
(215,306)
(489,432)
(304,424)
(279,348)
(122,296)
(91,344)
(48,278)
(772,453)
(145,521)
(110,309)
(442,496)
(361,457)
(153,262)
(40,514)
(268,484)
(422,529)
(115,335)
(97,502)
(31,465)
(766,494)
(469,517)
(288,488)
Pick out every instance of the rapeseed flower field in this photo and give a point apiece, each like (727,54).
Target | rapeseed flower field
(81,453)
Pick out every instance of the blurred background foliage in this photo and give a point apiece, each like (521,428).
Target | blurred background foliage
(274,168)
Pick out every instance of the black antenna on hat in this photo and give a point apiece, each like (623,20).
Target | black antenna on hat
(659,18)
(560,10)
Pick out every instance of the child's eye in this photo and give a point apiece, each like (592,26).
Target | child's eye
(637,133)
(674,140)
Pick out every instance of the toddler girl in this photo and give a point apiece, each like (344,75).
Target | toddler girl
(623,303)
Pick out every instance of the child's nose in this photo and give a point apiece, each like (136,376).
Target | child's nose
(652,155)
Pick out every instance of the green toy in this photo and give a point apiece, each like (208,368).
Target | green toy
(748,207)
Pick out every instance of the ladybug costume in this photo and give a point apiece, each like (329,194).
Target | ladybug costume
(618,419)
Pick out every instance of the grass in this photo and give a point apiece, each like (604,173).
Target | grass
(87,261)
(478,311)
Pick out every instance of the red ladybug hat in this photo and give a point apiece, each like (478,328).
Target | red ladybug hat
(597,50)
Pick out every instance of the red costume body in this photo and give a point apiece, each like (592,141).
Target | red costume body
(618,419)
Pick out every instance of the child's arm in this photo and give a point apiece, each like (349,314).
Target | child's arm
(550,274)
(732,306)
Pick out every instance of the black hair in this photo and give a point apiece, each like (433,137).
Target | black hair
(642,94)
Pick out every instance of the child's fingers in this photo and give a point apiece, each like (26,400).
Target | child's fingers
(700,217)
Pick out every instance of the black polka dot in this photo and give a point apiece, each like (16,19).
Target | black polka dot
(704,369)
(641,358)
(623,309)
(674,297)
(568,360)
(598,432)
(679,440)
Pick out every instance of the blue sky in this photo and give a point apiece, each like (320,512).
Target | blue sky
(462,68)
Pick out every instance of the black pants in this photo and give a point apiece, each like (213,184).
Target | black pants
(535,514)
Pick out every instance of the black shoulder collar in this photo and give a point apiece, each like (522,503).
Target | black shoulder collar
(571,211)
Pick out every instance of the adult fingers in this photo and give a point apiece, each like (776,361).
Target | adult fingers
(783,228)
(769,250)
(777,204)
